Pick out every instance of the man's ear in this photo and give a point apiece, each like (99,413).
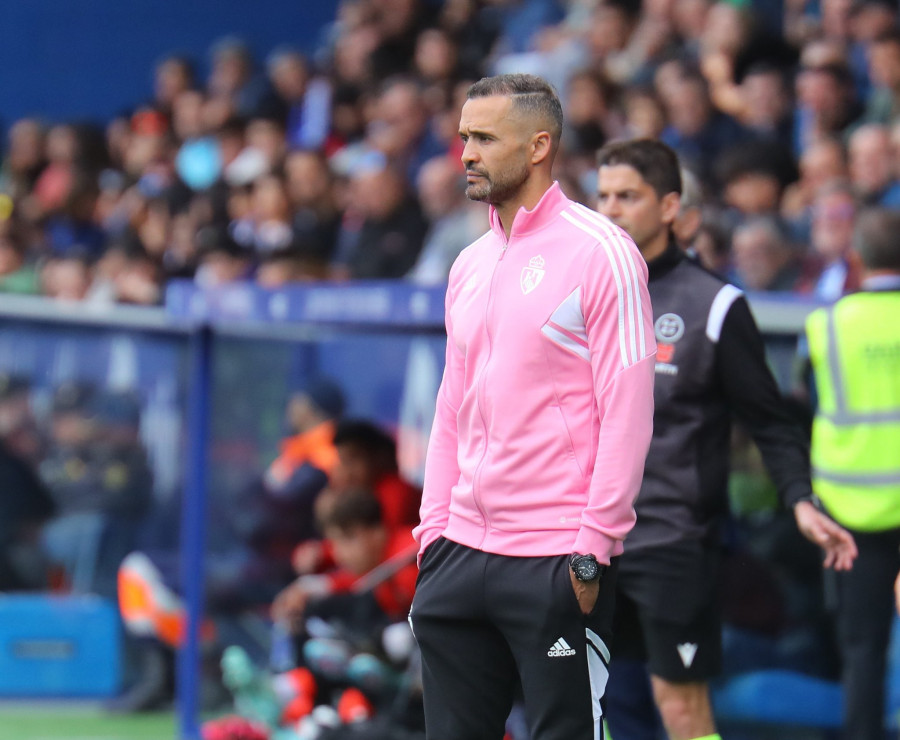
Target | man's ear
(541,146)
(670,205)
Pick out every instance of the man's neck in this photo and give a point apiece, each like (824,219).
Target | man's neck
(528,197)
(656,247)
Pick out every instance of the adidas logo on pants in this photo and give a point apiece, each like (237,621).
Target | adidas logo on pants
(560,649)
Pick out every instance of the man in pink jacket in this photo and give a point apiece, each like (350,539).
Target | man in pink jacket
(542,425)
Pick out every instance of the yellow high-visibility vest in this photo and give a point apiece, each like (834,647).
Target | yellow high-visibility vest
(855,352)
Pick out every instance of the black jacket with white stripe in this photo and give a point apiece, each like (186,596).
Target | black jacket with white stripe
(710,368)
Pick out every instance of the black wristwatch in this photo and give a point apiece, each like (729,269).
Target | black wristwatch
(586,567)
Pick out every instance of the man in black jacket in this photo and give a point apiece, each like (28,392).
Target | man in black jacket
(710,365)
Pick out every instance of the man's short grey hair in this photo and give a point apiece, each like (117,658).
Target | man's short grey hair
(529,93)
(876,241)
(691,190)
(771,227)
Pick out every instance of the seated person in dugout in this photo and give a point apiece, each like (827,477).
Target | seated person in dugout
(258,535)
(366,459)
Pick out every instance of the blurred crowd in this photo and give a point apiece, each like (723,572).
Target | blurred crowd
(318,543)
(344,163)
(77,483)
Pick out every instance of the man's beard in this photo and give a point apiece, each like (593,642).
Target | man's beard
(499,188)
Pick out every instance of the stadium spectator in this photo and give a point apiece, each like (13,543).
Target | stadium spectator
(266,225)
(696,130)
(824,104)
(400,127)
(883,101)
(173,75)
(590,111)
(220,259)
(311,189)
(17,272)
(763,258)
(834,214)
(125,274)
(353,47)
(822,162)
(53,185)
(765,103)
(436,60)
(283,267)
(592,117)
(644,114)
(871,166)
(24,158)
(303,100)
(233,84)
(382,233)
(347,119)
(146,150)
(753,176)
(262,154)
(397,24)
(726,35)
(66,278)
(453,222)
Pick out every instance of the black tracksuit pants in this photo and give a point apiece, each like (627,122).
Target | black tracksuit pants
(488,623)
(865,615)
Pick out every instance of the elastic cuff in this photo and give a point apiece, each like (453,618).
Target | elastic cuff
(796,491)
(600,546)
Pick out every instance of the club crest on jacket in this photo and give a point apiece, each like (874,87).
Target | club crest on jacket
(532,275)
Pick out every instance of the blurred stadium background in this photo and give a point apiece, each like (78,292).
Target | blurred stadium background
(197,382)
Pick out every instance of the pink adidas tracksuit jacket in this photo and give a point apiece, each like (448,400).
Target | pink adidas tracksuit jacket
(545,411)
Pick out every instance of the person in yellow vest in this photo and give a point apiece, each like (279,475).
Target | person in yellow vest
(855,354)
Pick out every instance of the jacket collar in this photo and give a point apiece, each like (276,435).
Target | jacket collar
(662,265)
(552,203)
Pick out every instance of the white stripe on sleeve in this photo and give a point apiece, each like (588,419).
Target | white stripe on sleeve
(719,310)
(627,256)
(631,324)
(623,345)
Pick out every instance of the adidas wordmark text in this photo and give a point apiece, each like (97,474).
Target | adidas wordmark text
(560,649)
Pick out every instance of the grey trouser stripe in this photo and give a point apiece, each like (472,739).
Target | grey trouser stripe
(598,662)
